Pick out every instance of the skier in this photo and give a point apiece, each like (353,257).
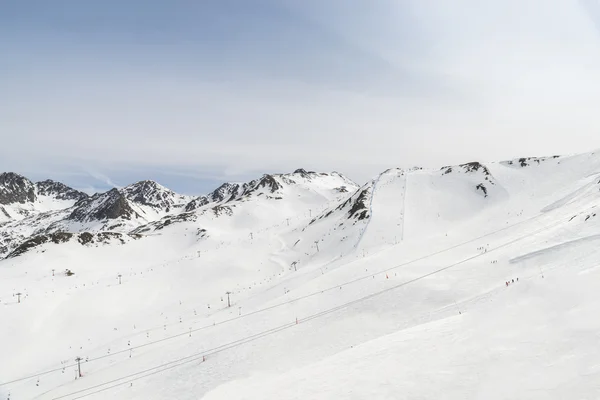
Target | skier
(513,281)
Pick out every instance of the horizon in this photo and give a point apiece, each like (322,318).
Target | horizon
(196,94)
(218,184)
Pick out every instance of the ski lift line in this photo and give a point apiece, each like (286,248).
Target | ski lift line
(274,330)
(342,284)
(370,275)
(231,345)
(178,362)
(196,357)
(387,270)
(313,294)
(298,298)
(302,297)
(309,318)
(239,342)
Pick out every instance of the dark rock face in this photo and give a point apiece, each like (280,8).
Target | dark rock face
(196,203)
(109,205)
(150,193)
(267,181)
(58,237)
(527,161)
(225,192)
(15,188)
(59,191)
(304,173)
(4,212)
(143,192)
(360,209)
(468,168)
(482,187)
(355,208)
(84,238)
(219,210)
(474,166)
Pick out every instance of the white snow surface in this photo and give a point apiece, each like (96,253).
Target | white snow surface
(394,290)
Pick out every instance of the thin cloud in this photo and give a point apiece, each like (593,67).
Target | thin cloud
(325,86)
(102,178)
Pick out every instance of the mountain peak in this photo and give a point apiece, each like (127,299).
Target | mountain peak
(268,181)
(225,192)
(5,176)
(58,190)
(153,195)
(109,205)
(302,172)
(470,167)
(146,192)
(15,188)
(147,184)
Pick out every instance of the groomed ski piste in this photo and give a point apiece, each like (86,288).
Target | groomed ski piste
(401,288)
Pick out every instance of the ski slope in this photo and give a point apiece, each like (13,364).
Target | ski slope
(386,225)
(402,303)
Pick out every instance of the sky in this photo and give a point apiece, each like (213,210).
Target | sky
(191,93)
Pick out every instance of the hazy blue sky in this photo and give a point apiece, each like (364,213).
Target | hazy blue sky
(193,93)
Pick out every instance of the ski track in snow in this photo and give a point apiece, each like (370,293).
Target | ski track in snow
(553,249)
(362,233)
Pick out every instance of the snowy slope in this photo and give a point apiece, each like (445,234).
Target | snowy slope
(396,289)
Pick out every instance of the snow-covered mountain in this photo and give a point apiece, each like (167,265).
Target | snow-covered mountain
(47,207)
(59,191)
(15,188)
(146,206)
(20,198)
(152,200)
(235,209)
(477,280)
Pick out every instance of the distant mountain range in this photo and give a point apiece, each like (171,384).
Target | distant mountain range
(35,213)
(29,210)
